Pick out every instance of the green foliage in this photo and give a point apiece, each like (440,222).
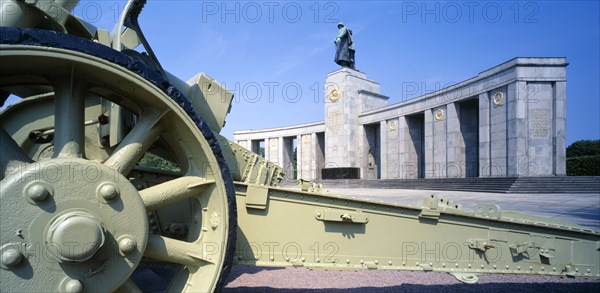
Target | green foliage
(295,162)
(150,160)
(584,148)
(583,166)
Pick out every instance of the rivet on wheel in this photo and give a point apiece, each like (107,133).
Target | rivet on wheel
(127,245)
(73,286)
(37,192)
(108,191)
(11,257)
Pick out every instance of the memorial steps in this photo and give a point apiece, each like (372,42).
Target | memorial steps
(556,184)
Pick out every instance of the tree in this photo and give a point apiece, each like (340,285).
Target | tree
(584,148)
(583,158)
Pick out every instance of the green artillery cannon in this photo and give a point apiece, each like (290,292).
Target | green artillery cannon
(79,213)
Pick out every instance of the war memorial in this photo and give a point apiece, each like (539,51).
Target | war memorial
(507,121)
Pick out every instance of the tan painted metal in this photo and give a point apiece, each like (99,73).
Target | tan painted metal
(293,228)
(91,190)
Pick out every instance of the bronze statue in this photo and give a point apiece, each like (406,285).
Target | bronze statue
(344,47)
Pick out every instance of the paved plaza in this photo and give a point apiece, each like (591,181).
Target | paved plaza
(581,209)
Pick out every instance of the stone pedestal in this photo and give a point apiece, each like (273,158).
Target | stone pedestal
(347,94)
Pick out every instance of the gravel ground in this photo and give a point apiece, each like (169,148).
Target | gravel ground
(583,209)
(266,279)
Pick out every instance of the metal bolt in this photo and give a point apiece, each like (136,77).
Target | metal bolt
(108,191)
(11,257)
(73,286)
(37,192)
(127,245)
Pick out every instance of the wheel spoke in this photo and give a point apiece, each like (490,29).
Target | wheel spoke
(68,116)
(129,287)
(11,155)
(170,192)
(191,255)
(136,143)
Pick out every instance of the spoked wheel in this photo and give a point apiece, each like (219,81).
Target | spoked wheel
(71,218)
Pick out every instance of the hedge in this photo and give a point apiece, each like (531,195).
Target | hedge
(583,166)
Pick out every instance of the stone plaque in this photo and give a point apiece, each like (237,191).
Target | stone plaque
(334,121)
(539,122)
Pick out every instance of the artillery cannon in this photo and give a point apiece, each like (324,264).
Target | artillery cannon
(79,214)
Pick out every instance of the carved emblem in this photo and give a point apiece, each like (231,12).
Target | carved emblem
(439,115)
(334,95)
(393,125)
(498,99)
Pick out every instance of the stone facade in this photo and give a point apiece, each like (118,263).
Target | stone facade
(507,121)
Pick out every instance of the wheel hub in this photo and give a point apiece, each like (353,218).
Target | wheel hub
(70,224)
(76,227)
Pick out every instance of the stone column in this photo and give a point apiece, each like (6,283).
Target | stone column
(273,152)
(430,171)
(299,156)
(407,166)
(516,104)
(455,147)
(484,135)
(560,128)
(438,142)
(313,162)
(498,129)
(306,157)
(383,149)
(267,148)
(281,154)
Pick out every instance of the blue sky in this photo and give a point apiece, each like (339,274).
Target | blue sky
(275,56)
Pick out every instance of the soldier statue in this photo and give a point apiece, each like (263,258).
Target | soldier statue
(344,47)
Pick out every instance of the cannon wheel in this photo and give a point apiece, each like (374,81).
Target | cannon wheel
(72,222)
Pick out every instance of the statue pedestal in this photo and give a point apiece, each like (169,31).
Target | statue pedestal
(348,93)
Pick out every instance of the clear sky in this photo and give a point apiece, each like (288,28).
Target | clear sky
(275,56)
